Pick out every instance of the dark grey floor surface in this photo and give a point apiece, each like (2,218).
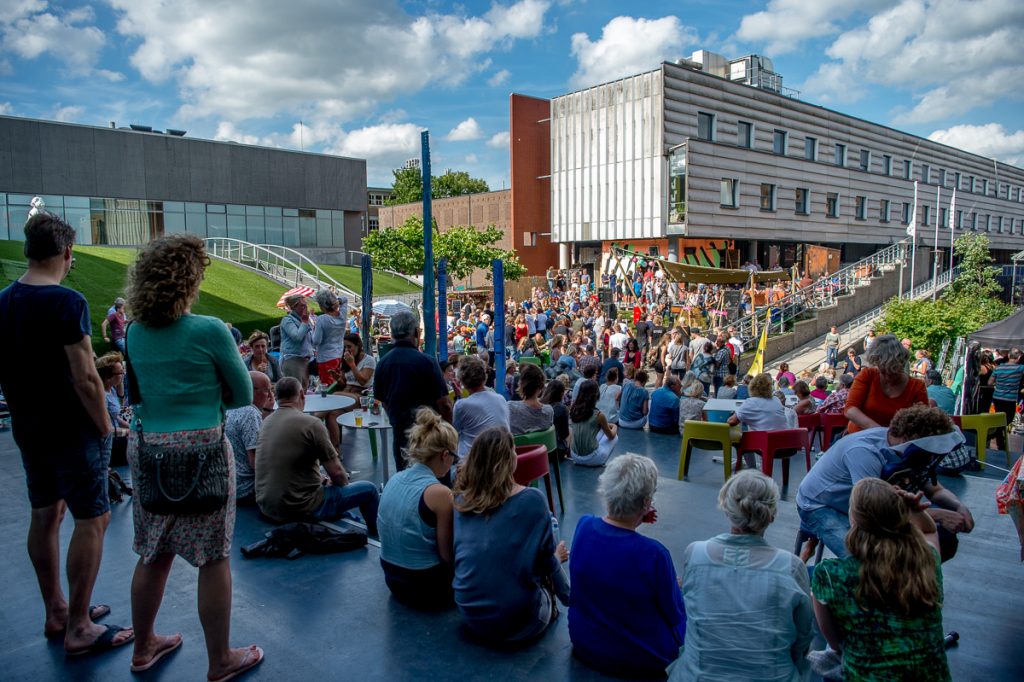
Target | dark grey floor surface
(332,617)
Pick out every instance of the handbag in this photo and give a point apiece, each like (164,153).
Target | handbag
(175,480)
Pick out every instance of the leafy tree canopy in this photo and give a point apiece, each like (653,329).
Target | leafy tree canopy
(408,185)
(466,248)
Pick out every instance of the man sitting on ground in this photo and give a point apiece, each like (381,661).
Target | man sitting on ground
(242,429)
(291,448)
(612,362)
(663,415)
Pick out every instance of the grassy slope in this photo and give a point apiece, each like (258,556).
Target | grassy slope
(383,282)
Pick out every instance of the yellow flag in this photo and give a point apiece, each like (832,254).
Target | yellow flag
(757,366)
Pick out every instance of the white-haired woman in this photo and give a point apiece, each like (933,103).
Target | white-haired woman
(748,605)
(626,614)
(884,388)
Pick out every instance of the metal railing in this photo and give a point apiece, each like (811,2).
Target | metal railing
(824,292)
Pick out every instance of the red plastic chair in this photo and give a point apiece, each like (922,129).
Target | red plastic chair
(770,445)
(531,465)
(811,422)
(830,423)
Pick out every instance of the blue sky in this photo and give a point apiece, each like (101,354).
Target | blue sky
(365,77)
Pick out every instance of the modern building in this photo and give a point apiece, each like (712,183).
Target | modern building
(123,186)
(707,152)
(375,198)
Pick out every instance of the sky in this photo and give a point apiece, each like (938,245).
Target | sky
(362,78)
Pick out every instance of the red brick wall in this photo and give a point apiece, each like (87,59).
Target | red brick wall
(529,147)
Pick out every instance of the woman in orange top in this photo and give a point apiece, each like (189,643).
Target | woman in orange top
(884,388)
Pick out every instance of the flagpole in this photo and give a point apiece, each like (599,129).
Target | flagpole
(912,227)
(935,260)
(952,226)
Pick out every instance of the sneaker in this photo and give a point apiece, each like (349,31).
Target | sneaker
(828,663)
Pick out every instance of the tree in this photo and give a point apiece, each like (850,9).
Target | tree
(971,301)
(408,185)
(466,248)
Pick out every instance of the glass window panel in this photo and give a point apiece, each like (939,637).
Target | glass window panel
(290,234)
(274,231)
(273,211)
(19,199)
(54,203)
(324,236)
(744,134)
(76,202)
(779,142)
(215,208)
(235,209)
(865,159)
(236,227)
(883,211)
(174,207)
(3,199)
(192,207)
(216,225)
(195,223)
(677,186)
(4,224)
(338,227)
(337,215)
(840,154)
(256,229)
(705,126)
(290,212)
(322,214)
(811,148)
(307,231)
(254,210)
(767,197)
(174,222)
(80,219)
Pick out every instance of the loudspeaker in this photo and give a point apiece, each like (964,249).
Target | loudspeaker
(612,311)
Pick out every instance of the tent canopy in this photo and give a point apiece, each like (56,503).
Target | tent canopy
(1006,333)
(699,274)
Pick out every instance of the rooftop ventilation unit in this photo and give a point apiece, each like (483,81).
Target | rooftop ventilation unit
(141,129)
(175,132)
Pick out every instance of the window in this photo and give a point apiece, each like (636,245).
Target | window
(745,134)
(943,217)
(988,222)
(677,185)
(841,155)
(705,126)
(984,186)
(529,239)
(800,201)
(832,205)
(886,164)
(730,192)
(779,142)
(811,148)
(959,220)
(906,213)
(925,215)
(970,183)
(908,169)
(999,224)
(861,208)
(767,197)
(974,221)
(942,177)
(883,211)
(865,159)
(956,179)
(926,173)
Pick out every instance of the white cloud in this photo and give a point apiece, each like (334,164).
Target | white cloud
(467,130)
(628,46)
(470,159)
(784,24)
(952,55)
(499,140)
(6,109)
(255,60)
(991,140)
(68,114)
(28,30)
(499,78)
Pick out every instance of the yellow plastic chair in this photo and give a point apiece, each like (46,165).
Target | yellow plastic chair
(705,435)
(982,426)
(548,439)
(529,360)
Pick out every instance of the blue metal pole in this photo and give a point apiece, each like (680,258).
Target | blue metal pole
(442,309)
(366,263)
(499,326)
(430,326)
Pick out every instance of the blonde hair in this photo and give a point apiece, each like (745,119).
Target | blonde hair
(484,479)
(762,386)
(429,436)
(897,566)
(105,364)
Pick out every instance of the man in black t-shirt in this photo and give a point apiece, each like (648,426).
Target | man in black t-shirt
(406,380)
(59,417)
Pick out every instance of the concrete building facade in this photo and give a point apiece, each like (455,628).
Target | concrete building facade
(678,153)
(123,186)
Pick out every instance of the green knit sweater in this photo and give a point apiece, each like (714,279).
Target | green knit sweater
(189,373)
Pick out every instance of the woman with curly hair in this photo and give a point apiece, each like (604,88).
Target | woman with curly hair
(261,360)
(881,607)
(507,566)
(189,373)
(884,388)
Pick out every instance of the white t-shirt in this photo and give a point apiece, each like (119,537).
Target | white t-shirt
(737,344)
(368,362)
(608,403)
(618,340)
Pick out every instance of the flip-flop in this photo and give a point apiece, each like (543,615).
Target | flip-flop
(157,656)
(253,657)
(95,613)
(104,642)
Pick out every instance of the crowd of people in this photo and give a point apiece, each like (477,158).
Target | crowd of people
(456,529)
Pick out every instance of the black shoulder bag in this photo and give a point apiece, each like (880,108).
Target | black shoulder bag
(173,480)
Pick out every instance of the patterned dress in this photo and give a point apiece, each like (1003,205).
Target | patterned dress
(879,645)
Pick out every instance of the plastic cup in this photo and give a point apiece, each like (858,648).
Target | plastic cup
(359,419)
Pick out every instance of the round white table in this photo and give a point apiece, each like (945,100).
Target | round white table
(376,426)
(318,403)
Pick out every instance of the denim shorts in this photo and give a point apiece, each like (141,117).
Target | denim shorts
(75,473)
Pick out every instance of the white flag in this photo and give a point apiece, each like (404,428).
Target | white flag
(952,211)
(912,225)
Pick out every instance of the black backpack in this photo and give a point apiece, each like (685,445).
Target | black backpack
(292,540)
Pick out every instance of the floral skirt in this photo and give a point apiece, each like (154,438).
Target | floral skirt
(196,538)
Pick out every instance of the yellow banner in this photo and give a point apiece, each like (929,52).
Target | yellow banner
(757,366)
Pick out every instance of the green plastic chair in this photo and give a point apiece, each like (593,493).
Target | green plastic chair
(548,439)
(982,425)
(705,435)
(529,360)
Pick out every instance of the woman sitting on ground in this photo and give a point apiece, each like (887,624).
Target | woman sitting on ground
(805,402)
(507,567)
(727,391)
(820,391)
(761,411)
(552,395)
(881,608)
(884,388)
(530,414)
(748,604)
(261,360)
(634,402)
(415,517)
(691,404)
(610,394)
(626,614)
(593,438)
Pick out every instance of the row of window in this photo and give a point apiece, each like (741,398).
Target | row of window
(970,220)
(707,130)
(126,222)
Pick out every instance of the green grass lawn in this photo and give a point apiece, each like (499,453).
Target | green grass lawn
(383,283)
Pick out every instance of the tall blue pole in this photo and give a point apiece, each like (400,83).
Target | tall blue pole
(429,324)
(442,309)
(366,263)
(499,326)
